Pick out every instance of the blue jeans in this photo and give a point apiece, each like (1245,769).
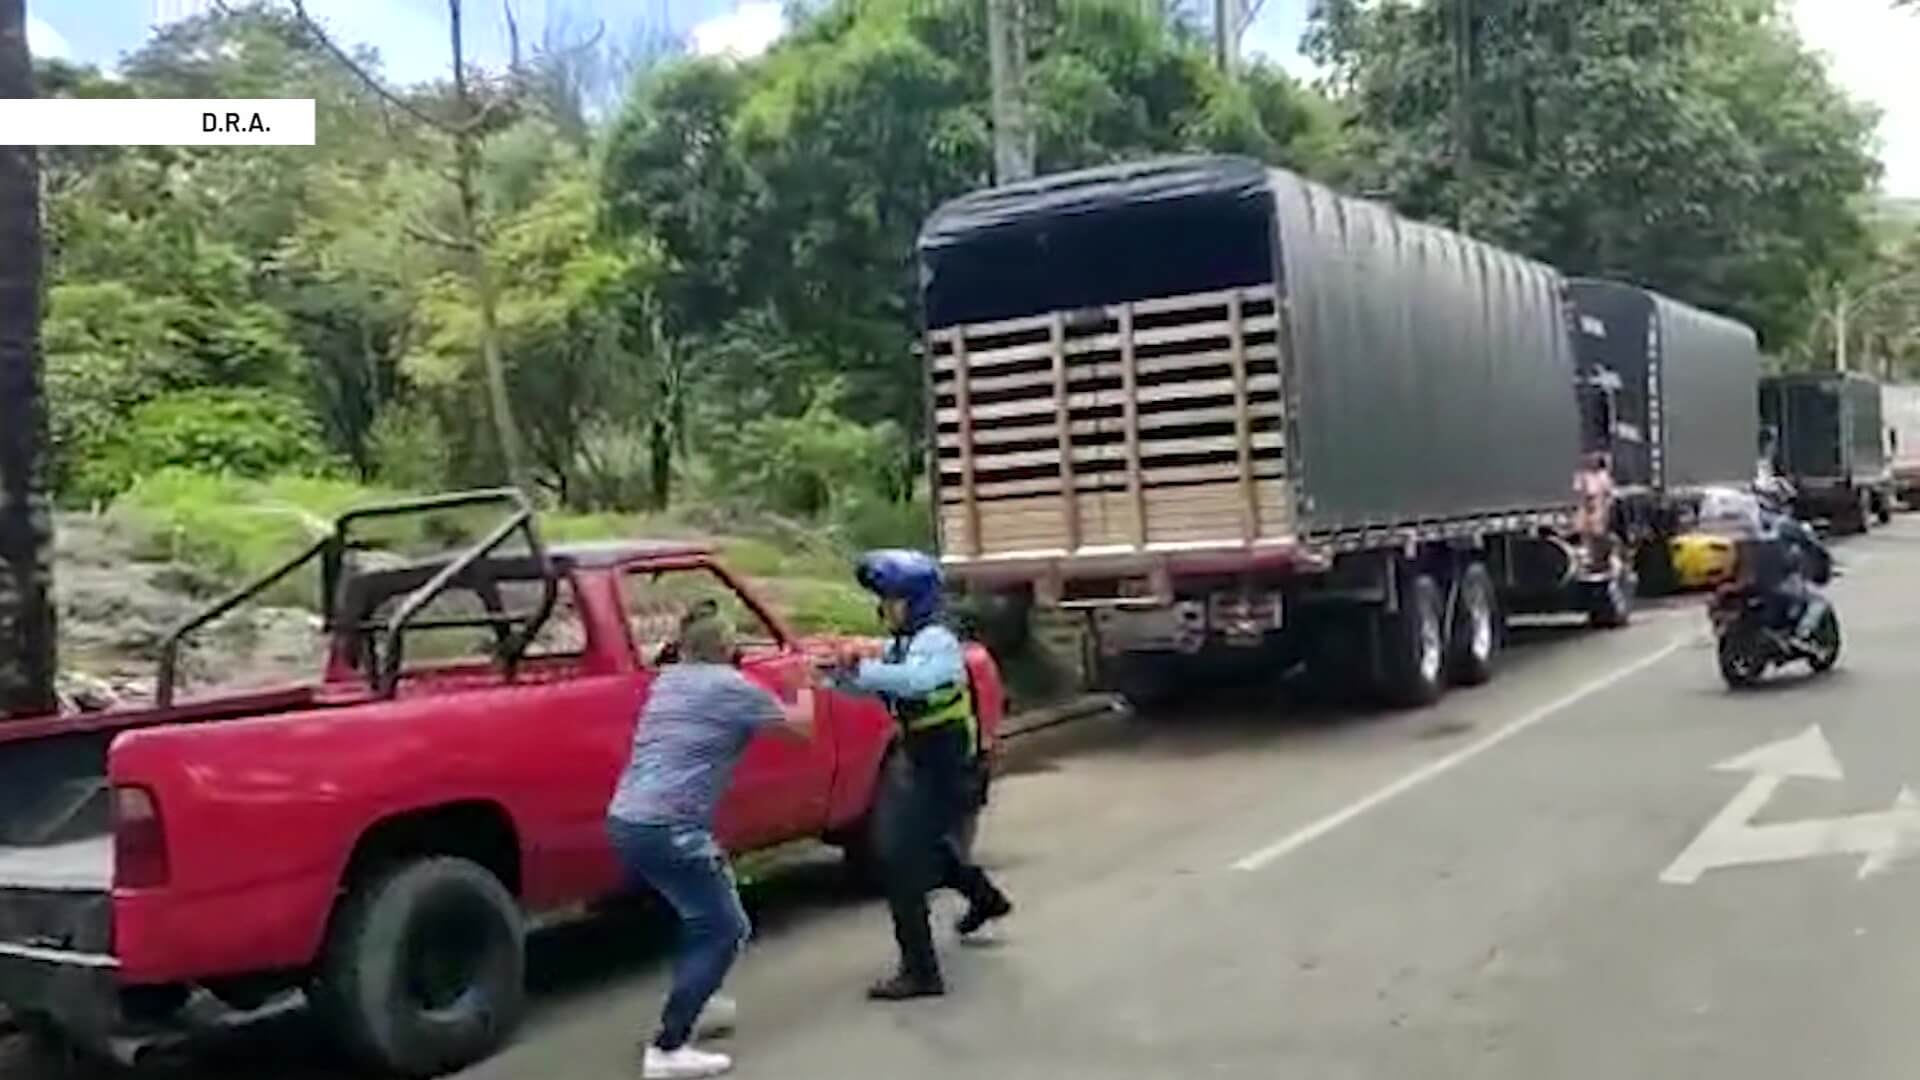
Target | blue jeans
(686,866)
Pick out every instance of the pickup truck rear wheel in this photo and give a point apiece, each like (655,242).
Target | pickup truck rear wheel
(425,968)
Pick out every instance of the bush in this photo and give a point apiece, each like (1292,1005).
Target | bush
(815,606)
(808,465)
(232,529)
(409,449)
(873,522)
(240,432)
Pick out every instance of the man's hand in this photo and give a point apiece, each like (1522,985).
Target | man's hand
(797,677)
(852,652)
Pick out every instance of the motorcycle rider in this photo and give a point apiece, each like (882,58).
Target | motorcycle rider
(1799,550)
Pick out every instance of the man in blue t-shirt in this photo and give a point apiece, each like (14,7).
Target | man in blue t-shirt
(699,717)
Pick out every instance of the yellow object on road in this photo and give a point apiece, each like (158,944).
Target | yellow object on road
(1701,560)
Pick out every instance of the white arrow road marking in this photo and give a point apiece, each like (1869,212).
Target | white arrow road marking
(1731,839)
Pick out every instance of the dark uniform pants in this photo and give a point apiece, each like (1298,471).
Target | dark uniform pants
(922,854)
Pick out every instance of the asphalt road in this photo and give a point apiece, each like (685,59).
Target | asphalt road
(1473,890)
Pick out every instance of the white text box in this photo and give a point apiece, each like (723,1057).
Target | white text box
(156,122)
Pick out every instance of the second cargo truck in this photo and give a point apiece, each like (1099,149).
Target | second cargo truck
(1668,393)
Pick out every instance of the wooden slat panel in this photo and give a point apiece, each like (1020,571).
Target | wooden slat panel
(984,360)
(1157,306)
(1044,406)
(1221,501)
(1243,429)
(1195,300)
(1069,498)
(1215,511)
(1176,516)
(1273,501)
(1129,390)
(948,334)
(1150,446)
(964,407)
(1041,382)
(985,441)
(1223,472)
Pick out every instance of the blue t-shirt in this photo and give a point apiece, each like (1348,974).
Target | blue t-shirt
(696,723)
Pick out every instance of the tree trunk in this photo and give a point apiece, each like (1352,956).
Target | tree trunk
(486,296)
(27,662)
(661,450)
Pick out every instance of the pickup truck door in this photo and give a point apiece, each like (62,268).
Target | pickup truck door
(781,785)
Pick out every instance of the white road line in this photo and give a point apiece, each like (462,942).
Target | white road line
(1300,838)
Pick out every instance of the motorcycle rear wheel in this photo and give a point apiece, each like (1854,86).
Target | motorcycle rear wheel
(1826,643)
(1742,661)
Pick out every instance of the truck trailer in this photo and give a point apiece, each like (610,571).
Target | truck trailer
(1823,432)
(1220,408)
(1900,411)
(1666,390)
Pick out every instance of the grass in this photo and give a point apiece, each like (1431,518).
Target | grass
(234,529)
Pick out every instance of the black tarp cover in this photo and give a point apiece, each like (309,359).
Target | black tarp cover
(1432,374)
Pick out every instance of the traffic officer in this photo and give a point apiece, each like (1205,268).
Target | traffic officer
(922,677)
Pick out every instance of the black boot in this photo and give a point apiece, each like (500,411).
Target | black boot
(991,904)
(905,986)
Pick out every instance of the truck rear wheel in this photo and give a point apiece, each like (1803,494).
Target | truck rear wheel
(1474,638)
(1610,606)
(1413,646)
(425,968)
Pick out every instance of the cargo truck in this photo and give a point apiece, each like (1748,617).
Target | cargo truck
(1823,432)
(1666,391)
(1900,410)
(1221,409)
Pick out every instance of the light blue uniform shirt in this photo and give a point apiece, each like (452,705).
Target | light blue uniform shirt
(934,659)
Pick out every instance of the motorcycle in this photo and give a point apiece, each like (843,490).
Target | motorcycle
(1755,635)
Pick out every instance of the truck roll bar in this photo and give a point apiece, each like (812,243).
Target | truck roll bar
(332,550)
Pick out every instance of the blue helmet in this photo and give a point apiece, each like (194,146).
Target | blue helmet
(913,576)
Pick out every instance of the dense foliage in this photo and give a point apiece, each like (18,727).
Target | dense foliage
(704,285)
(1696,146)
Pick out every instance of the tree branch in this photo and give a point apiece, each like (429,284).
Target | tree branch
(513,36)
(429,235)
(345,60)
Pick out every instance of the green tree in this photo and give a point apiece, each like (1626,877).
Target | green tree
(567,296)
(1695,146)
(787,193)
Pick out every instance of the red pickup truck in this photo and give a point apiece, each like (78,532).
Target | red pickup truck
(382,839)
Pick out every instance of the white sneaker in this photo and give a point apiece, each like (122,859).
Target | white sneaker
(682,1064)
(720,1017)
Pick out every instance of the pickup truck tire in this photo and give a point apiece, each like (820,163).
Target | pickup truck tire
(425,970)
(42,1049)
(1413,645)
(1473,643)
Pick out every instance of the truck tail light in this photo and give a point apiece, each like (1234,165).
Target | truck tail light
(139,840)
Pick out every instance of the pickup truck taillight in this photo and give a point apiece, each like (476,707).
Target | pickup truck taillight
(139,840)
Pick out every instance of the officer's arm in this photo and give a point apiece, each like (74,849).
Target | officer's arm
(934,659)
